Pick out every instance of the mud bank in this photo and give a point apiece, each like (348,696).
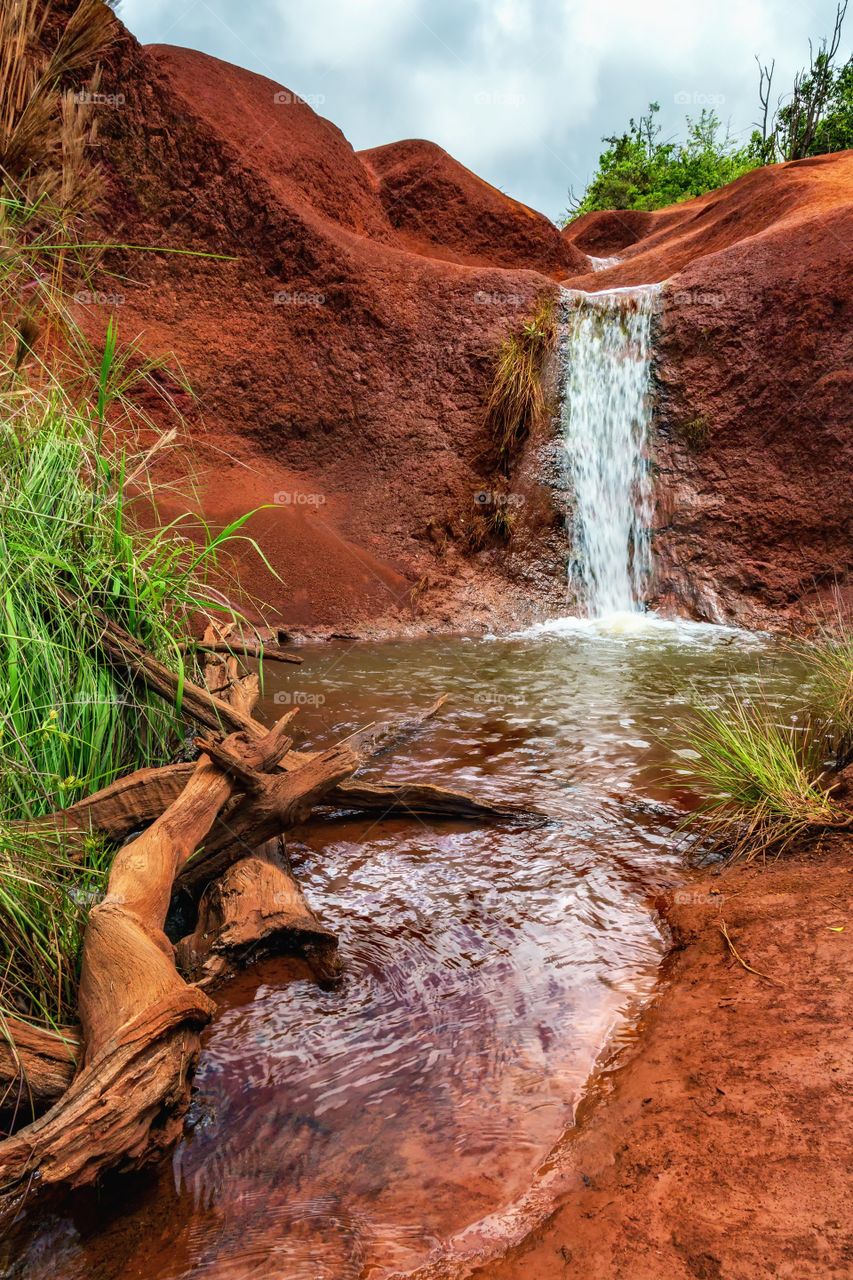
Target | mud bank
(719,1148)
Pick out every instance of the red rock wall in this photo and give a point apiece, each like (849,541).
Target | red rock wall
(755,386)
(340,361)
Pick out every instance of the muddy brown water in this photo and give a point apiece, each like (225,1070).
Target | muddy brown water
(408,1111)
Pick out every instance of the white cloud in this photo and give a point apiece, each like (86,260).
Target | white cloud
(519,90)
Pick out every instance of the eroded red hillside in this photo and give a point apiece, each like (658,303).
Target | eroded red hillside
(339,375)
(340,355)
(755,382)
(443,210)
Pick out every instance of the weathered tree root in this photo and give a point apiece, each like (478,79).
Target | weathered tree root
(140,1020)
(124,1108)
(254,909)
(36,1067)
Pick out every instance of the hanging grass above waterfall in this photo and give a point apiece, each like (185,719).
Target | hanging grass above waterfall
(516,397)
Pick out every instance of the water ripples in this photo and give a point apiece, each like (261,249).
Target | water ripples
(346,1130)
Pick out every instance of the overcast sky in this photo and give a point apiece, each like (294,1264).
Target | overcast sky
(521,91)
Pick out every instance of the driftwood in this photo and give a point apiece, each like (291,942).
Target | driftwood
(134,801)
(420,800)
(255,908)
(137,799)
(36,1066)
(243,648)
(259,908)
(140,1020)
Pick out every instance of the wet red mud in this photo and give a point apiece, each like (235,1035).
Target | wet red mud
(721,1150)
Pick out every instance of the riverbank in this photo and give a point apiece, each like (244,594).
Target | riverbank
(721,1147)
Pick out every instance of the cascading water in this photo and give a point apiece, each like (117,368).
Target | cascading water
(605,427)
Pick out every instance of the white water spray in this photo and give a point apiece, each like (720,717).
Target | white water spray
(603,264)
(605,426)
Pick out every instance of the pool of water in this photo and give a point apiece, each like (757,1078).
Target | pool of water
(357,1129)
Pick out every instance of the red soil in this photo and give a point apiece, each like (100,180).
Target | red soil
(721,1150)
(443,210)
(328,349)
(350,343)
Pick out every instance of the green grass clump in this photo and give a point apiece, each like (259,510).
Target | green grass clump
(46,891)
(764,783)
(828,655)
(70,722)
(516,397)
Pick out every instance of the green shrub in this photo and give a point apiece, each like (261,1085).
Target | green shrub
(639,171)
(828,655)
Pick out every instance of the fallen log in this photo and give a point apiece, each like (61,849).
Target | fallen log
(36,1067)
(140,1020)
(242,649)
(254,909)
(420,800)
(256,818)
(137,799)
(198,703)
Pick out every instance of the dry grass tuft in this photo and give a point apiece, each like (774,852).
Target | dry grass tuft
(516,399)
(45,127)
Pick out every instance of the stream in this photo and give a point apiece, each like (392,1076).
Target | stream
(358,1128)
(419,1108)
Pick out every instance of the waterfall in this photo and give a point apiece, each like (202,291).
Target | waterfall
(603,264)
(605,416)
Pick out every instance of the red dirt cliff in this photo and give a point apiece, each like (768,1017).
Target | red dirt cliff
(340,356)
(755,382)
